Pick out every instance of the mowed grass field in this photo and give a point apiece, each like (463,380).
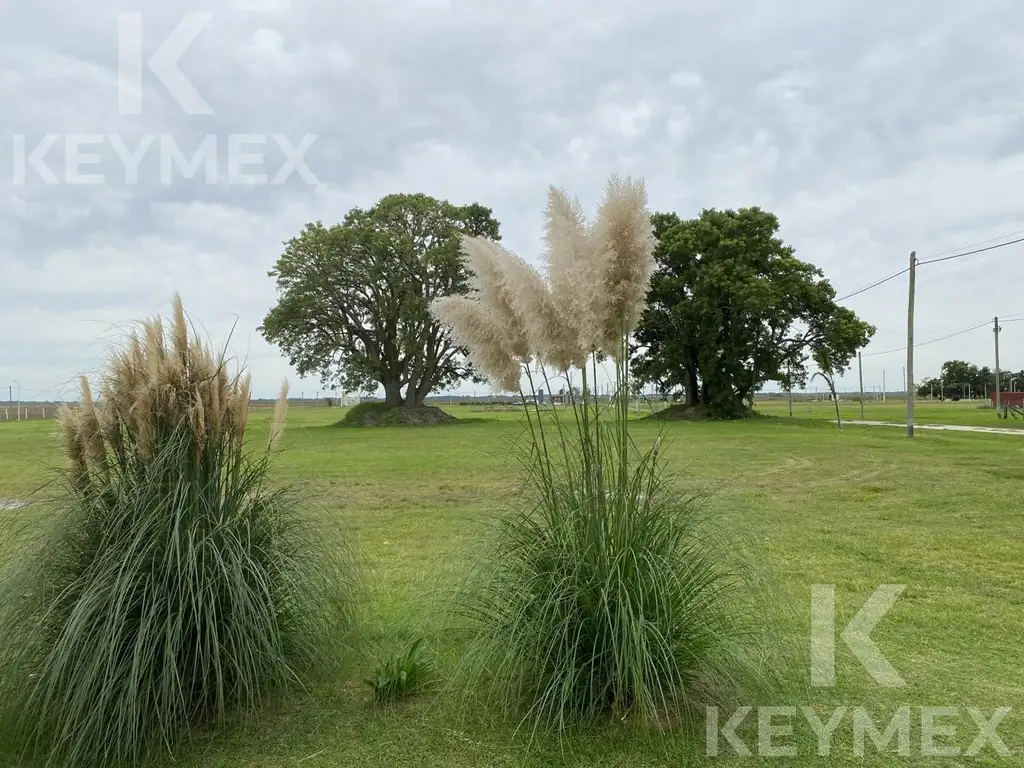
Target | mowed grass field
(856,508)
(967,413)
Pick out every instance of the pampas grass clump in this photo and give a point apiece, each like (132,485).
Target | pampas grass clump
(606,591)
(170,587)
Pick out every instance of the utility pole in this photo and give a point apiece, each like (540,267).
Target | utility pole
(908,372)
(995,330)
(860,373)
(883,385)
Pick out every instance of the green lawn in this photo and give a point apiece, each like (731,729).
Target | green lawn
(925,412)
(857,508)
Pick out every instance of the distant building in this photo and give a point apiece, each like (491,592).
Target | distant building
(1008,398)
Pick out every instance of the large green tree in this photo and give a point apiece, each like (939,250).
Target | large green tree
(353,298)
(731,308)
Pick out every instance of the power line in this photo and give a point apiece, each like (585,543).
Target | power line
(939,257)
(933,341)
(971,253)
(980,242)
(874,284)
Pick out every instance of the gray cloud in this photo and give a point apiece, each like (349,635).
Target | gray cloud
(870,129)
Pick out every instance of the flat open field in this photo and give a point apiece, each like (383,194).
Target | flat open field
(856,508)
(966,412)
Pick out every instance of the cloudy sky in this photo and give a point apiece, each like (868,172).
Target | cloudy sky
(871,129)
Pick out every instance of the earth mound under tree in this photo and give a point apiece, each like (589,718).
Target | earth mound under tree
(384,415)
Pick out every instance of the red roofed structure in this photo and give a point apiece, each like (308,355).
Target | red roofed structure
(1008,398)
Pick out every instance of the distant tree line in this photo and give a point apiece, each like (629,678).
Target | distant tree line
(960,379)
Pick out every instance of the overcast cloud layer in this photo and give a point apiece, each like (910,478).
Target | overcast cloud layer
(871,129)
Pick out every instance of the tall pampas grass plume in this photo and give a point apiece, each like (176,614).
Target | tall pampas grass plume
(574,270)
(623,242)
(491,346)
(496,285)
(277,421)
(595,282)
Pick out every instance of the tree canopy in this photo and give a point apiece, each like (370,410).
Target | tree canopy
(731,308)
(353,298)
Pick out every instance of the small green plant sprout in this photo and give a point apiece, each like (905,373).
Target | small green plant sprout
(402,674)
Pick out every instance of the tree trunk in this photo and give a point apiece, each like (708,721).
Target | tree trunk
(420,387)
(413,397)
(421,392)
(393,392)
(835,399)
(692,386)
(740,399)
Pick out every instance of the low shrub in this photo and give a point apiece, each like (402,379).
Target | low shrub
(603,596)
(170,586)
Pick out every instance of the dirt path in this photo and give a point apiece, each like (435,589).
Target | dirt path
(945,427)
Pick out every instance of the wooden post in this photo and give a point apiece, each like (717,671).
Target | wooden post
(995,330)
(910,347)
(860,372)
